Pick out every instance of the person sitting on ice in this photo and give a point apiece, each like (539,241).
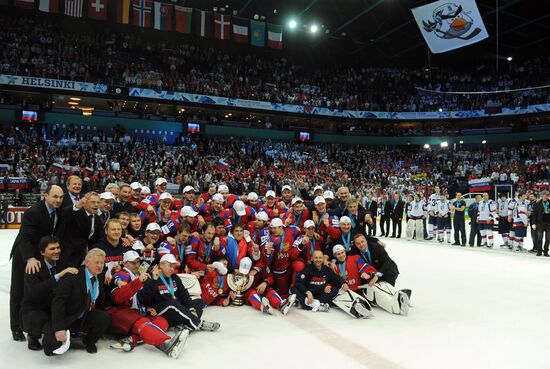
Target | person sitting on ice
(317,285)
(380,289)
(214,287)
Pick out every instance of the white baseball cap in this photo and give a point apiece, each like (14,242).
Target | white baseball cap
(262,215)
(245,265)
(253,196)
(328,195)
(270,193)
(189,189)
(168,258)
(130,256)
(107,196)
(135,185)
(223,187)
(163,249)
(220,268)
(309,223)
(160,181)
(145,190)
(188,211)
(239,208)
(295,200)
(276,222)
(152,227)
(217,197)
(337,248)
(319,200)
(166,195)
(286,187)
(345,219)
(138,245)
(317,188)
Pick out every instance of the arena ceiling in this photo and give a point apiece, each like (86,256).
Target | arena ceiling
(383,31)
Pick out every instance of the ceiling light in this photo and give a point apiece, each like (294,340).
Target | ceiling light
(313,28)
(74,98)
(292,24)
(72,103)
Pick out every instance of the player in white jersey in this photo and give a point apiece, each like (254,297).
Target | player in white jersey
(520,218)
(416,212)
(443,219)
(486,219)
(504,225)
(512,202)
(432,211)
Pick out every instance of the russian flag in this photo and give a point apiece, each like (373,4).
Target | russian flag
(193,127)
(29,115)
(17,183)
(221,165)
(57,168)
(479,185)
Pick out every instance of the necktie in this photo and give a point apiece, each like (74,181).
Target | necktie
(52,270)
(92,227)
(52,220)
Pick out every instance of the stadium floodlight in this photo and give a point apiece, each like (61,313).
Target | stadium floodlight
(292,24)
(427,146)
(461,142)
(440,110)
(313,28)
(509,58)
(444,144)
(484,142)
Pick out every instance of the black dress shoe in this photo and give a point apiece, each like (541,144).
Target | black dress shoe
(546,254)
(91,348)
(33,344)
(48,353)
(18,335)
(539,253)
(456,244)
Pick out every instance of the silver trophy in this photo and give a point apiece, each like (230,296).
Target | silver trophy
(239,283)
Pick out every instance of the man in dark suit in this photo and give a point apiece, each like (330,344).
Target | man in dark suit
(39,220)
(77,306)
(371,206)
(105,211)
(374,254)
(397,207)
(385,215)
(356,215)
(473,211)
(124,201)
(35,309)
(74,187)
(80,229)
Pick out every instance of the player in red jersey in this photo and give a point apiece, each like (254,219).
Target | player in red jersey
(352,268)
(297,215)
(214,287)
(212,210)
(302,250)
(204,250)
(276,254)
(325,224)
(270,205)
(240,214)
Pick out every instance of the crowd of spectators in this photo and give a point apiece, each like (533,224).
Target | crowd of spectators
(38,45)
(258,165)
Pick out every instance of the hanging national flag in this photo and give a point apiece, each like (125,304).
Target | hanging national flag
(274,36)
(479,185)
(222,25)
(141,13)
(123,11)
(240,30)
(257,32)
(202,23)
(49,6)
(183,19)
(163,16)
(24,4)
(450,25)
(97,9)
(73,8)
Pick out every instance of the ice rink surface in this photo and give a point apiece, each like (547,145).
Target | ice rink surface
(473,308)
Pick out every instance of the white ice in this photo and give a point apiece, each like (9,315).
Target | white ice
(473,308)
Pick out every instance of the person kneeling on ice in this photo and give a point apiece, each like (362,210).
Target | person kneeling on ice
(170,299)
(353,270)
(380,289)
(214,287)
(317,285)
(127,314)
(261,296)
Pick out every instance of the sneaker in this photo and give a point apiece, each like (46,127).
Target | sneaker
(403,303)
(209,326)
(174,345)
(287,304)
(266,306)
(323,308)
(126,344)
(361,309)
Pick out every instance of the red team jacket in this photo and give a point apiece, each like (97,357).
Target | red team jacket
(210,287)
(353,267)
(200,254)
(279,259)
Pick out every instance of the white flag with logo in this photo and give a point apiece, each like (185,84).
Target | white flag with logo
(448,25)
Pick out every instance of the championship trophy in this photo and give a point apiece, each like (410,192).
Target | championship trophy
(240,281)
